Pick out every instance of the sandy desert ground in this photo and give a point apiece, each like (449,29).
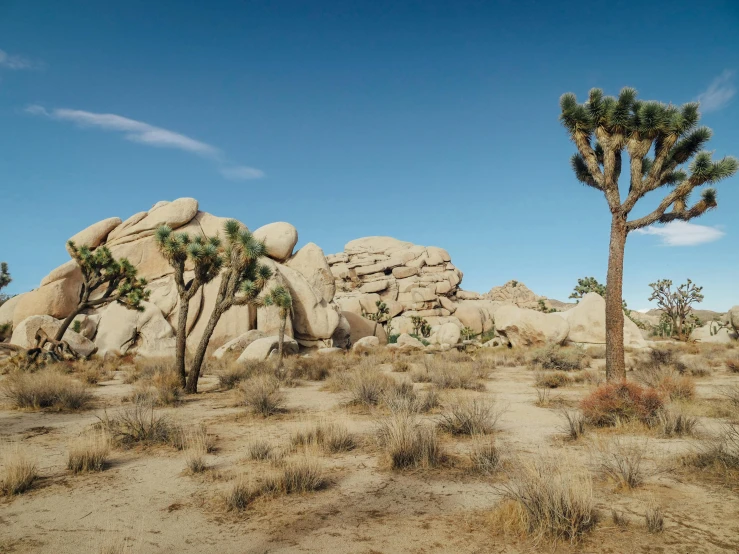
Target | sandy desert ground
(147,500)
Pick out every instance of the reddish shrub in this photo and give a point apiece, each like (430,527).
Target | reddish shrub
(621,401)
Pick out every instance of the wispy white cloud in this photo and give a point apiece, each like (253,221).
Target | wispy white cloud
(144,133)
(682,233)
(719,92)
(9,61)
(241,173)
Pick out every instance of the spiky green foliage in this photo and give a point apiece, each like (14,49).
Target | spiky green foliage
(203,255)
(421,327)
(242,280)
(677,305)
(5,278)
(625,123)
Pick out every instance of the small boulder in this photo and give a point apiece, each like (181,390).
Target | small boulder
(96,233)
(523,327)
(448,333)
(261,349)
(407,342)
(24,334)
(238,344)
(716,336)
(280,238)
(361,327)
(365,345)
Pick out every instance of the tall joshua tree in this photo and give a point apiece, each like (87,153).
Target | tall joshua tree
(242,279)
(116,279)
(658,139)
(205,255)
(676,305)
(280,297)
(5,278)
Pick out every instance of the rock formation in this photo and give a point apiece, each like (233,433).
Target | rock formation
(115,329)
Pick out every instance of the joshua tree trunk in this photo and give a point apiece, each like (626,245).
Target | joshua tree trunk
(182,340)
(197,362)
(615,363)
(281,341)
(68,321)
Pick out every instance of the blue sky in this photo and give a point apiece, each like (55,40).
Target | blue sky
(433,122)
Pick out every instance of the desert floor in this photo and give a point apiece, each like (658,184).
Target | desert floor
(146,500)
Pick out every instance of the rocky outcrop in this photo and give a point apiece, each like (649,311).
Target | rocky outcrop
(713,333)
(147,333)
(515,292)
(261,349)
(587,323)
(733,318)
(365,345)
(24,334)
(524,327)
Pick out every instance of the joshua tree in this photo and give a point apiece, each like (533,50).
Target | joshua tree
(5,278)
(205,255)
(101,272)
(280,298)
(677,305)
(421,327)
(602,128)
(381,315)
(242,279)
(586,285)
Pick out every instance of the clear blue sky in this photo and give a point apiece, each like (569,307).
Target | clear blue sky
(433,122)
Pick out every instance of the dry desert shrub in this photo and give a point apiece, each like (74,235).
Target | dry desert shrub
(146,368)
(313,368)
(140,424)
(596,352)
(401,366)
(408,443)
(368,386)
(720,452)
(484,455)
(567,358)
(732,364)
(162,388)
(89,452)
(259,450)
(231,374)
(46,390)
(554,496)
(470,417)
(621,401)
(241,495)
(665,379)
(622,462)
(674,422)
(19,473)
(551,379)
(446,374)
(403,397)
(654,518)
(96,370)
(575,424)
(262,396)
(503,357)
(330,437)
(196,444)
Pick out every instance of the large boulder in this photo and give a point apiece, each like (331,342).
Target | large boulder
(57,299)
(714,335)
(311,262)
(587,323)
(147,333)
(523,327)
(175,214)
(8,309)
(279,238)
(448,333)
(96,234)
(476,315)
(733,317)
(361,327)
(261,349)
(342,337)
(24,334)
(239,344)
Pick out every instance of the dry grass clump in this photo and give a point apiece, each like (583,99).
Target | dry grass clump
(162,388)
(367,386)
(312,368)
(262,396)
(402,397)
(45,390)
(401,366)
(470,417)
(140,424)
(146,368)
(575,424)
(503,357)
(19,474)
(567,358)
(408,443)
(89,452)
(296,477)
(259,450)
(230,375)
(674,422)
(719,453)
(654,518)
(330,437)
(732,364)
(96,370)
(623,463)
(619,402)
(196,444)
(552,498)
(551,379)
(447,374)
(484,455)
